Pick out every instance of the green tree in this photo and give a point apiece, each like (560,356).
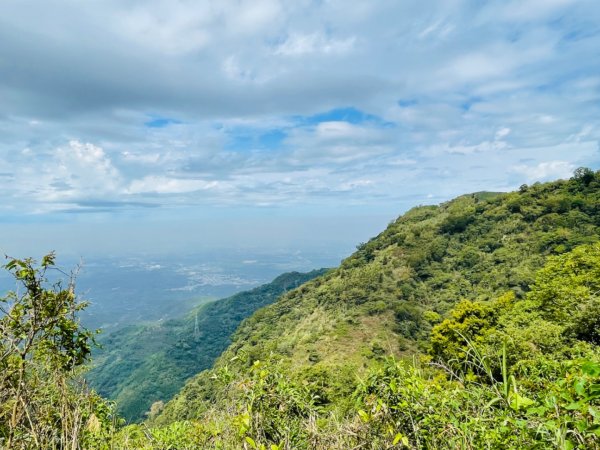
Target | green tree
(42,349)
(584,175)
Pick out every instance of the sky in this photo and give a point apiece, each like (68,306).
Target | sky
(169,125)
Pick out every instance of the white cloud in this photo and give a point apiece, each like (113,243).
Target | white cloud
(472,95)
(546,170)
(171,27)
(338,142)
(501,133)
(495,61)
(585,132)
(304,44)
(494,146)
(249,16)
(141,158)
(84,167)
(165,185)
(334,130)
(355,184)
(233,70)
(546,119)
(524,10)
(84,156)
(438,29)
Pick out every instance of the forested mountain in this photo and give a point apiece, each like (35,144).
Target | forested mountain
(143,364)
(290,375)
(388,295)
(471,324)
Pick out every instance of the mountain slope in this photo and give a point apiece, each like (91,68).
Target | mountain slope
(386,298)
(141,365)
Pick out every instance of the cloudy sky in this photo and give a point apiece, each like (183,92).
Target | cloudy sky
(129,125)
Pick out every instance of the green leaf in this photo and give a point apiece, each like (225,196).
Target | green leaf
(550,425)
(23,273)
(591,368)
(574,406)
(251,442)
(538,411)
(492,402)
(594,390)
(518,401)
(579,386)
(364,416)
(48,260)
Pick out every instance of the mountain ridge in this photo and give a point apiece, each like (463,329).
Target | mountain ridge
(388,295)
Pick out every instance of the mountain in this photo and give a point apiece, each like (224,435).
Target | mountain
(311,370)
(471,324)
(143,364)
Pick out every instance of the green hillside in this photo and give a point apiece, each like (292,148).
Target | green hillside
(471,324)
(292,372)
(386,297)
(140,365)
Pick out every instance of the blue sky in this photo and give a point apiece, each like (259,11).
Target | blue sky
(129,125)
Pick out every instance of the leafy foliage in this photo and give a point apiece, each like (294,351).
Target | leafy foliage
(484,390)
(43,403)
(425,410)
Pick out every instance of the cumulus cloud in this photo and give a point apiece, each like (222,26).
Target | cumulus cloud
(76,171)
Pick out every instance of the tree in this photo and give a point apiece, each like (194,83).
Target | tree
(42,348)
(584,174)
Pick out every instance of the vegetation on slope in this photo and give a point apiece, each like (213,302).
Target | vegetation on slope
(507,373)
(144,365)
(386,297)
(472,324)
